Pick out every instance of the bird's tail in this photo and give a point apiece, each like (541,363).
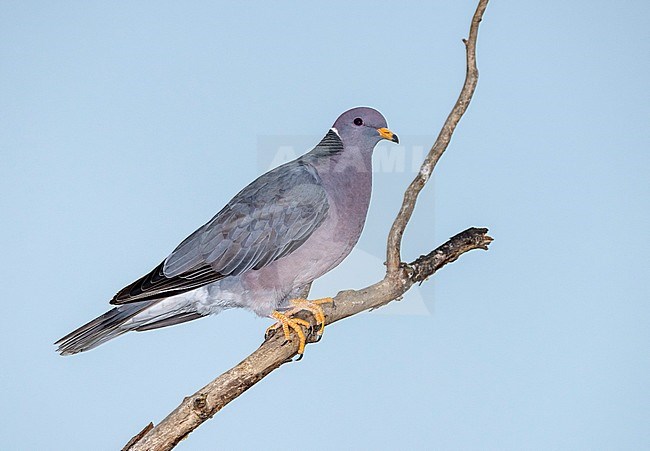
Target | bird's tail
(103,328)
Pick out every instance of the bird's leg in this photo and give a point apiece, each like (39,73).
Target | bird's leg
(286,320)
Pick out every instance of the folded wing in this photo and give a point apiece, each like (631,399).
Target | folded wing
(270,218)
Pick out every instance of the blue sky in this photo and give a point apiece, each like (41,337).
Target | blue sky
(124,127)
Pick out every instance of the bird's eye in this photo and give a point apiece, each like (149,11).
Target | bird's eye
(358,121)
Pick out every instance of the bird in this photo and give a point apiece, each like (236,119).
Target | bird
(264,248)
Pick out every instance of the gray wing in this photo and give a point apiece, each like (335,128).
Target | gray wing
(267,220)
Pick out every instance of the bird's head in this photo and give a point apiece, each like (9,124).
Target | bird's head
(363,126)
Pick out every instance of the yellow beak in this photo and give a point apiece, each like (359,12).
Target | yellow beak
(387,134)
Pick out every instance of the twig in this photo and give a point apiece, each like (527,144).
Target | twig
(393,248)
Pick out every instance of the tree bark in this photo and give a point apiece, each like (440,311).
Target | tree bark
(400,277)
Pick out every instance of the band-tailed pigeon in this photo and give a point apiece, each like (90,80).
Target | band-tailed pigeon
(264,248)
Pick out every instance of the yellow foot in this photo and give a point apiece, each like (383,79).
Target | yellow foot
(287,322)
(294,323)
(313,307)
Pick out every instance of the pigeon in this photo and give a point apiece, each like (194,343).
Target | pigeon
(263,250)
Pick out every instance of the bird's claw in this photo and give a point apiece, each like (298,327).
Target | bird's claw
(313,307)
(288,322)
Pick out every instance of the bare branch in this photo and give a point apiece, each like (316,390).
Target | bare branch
(137,437)
(393,256)
(275,351)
